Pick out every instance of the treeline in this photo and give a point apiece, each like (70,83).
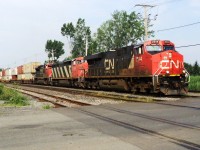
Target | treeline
(194,69)
(124,28)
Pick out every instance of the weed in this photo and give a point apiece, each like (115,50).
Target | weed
(12,97)
(194,84)
(46,107)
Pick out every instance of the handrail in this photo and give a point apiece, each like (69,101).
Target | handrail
(188,74)
(156,75)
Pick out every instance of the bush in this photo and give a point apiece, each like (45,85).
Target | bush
(46,107)
(11,96)
(194,84)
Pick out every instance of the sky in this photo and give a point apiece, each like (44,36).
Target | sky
(26,25)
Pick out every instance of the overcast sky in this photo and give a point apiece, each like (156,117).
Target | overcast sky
(26,25)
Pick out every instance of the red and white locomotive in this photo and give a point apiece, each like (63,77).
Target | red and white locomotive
(153,66)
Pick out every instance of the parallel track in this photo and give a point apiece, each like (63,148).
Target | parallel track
(181,142)
(57,99)
(113,96)
(178,141)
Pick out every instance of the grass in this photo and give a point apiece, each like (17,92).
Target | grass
(46,107)
(194,84)
(12,97)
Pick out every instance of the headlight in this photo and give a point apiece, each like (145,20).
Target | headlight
(167,72)
(184,71)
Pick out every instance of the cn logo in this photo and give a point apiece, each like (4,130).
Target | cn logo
(168,64)
(109,64)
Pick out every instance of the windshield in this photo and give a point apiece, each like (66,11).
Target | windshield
(153,48)
(167,47)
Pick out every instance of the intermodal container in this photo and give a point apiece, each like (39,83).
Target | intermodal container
(0,75)
(30,67)
(14,77)
(20,77)
(7,78)
(8,72)
(3,73)
(2,78)
(14,71)
(27,76)
(20,70)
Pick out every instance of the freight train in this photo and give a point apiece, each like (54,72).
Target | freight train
(153,66)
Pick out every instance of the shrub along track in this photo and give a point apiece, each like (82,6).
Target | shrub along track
(60,100)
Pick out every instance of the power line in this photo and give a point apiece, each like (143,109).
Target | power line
(166,2)
(179,27)
(188,45)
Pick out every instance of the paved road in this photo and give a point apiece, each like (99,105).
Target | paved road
(166,126)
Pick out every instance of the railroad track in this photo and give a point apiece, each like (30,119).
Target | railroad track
(66,102)
(184,125)
(107,94)
(62,101)
(55,99)
(116,96)
(184,143)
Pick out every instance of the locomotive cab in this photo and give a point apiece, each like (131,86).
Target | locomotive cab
(167,67)
(79,69)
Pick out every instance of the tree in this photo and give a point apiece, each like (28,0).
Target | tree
(188,67)
(196,69)
(54,49)
(77,35)
(123,29)
(193,69)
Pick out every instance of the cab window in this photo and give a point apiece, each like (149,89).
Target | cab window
(168,47)
(151,48)
(138,50)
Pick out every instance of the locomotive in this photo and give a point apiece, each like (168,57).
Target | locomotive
(153,66)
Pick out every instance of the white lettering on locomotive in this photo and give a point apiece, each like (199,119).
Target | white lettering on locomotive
(109,64)
(168,64)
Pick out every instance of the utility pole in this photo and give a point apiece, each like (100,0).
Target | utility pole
(52,53)
(86,45)
(145,18)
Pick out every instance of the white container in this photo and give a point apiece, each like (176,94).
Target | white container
(27,76)
(8,72)
(6,78)
(20,77)
(30,67)
(2,78)
(14,71)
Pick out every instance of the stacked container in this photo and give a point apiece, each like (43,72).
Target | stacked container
(8,75)
(3,72)
(30,67)
(20,70)
(27,71)
(0,75)
(14,73)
